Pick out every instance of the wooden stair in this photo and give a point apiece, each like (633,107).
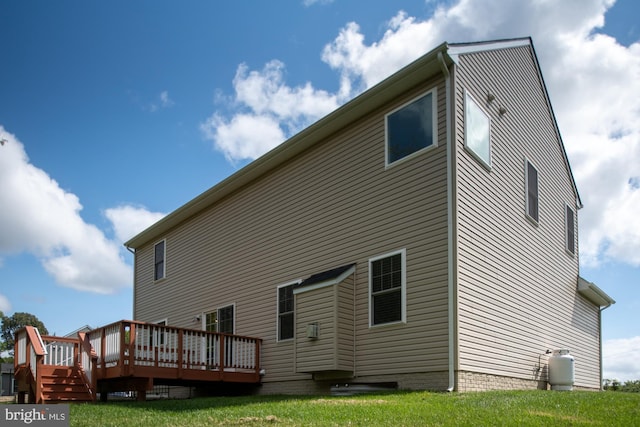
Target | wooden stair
(62,384)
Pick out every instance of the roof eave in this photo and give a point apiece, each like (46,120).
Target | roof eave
(594,294)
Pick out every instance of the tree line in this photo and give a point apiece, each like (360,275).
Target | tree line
(632,386)
(8,328)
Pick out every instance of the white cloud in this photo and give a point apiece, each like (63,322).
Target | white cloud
(39,217)
(593,83)
(163,101)
(363,66)
(5,305)
(312,2)
(244,136)
(130,220)
(621,359)
(267,111)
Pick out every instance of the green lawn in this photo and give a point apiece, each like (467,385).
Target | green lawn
(518,408)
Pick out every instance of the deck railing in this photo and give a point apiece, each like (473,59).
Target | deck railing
(135,354)
(130,344)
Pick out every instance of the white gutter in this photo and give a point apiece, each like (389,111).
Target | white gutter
(450,283)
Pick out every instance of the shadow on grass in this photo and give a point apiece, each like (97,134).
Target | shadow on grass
(204,403)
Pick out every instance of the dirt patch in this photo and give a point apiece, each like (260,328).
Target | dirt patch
(347,402)
(256,420)
(566,418)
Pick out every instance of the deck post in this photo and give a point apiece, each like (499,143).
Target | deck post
(223,362)
(103,351)
(141,389)
(76,353)
(257,361)
(131,346)
(104,394)
(38,390)
(180,351)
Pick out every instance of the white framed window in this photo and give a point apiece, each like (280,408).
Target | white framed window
(570,229)
(532,194)
(159,260)
(387,288)
(477,130)
(412,128)
(221,320)
(286,314)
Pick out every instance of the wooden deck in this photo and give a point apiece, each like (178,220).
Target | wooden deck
(129,356)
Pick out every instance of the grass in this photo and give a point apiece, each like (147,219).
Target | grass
(517,408)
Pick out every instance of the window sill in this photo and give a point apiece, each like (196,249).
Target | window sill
(532,220)
(383,325)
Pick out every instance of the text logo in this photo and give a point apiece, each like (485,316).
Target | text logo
(36,415)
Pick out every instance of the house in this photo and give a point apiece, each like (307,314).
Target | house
(423,235)
(7,383)
(73,334)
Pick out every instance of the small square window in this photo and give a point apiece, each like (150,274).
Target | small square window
(411,128)
(477,130)
(387,277)
(159,261)
(532,200)
(570,234)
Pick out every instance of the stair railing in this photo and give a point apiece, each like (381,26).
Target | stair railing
(29,354)
(74,352)
(88,364)
(60,351)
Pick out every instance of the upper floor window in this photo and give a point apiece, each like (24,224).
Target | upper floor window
(285,312)
(387,282)
(411,128)
(477,130)
(570,234)
(159,261)
(532,191)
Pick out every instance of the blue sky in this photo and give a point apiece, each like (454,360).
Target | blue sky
(115,113)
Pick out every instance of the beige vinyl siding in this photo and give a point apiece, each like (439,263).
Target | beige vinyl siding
(345,325)
(331,205)
(516,282)
(316,306)
(331,308)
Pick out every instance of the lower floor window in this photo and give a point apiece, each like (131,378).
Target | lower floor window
(220,320)
(387,278)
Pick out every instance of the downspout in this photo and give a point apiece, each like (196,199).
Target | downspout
(600,337)
(450,251)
